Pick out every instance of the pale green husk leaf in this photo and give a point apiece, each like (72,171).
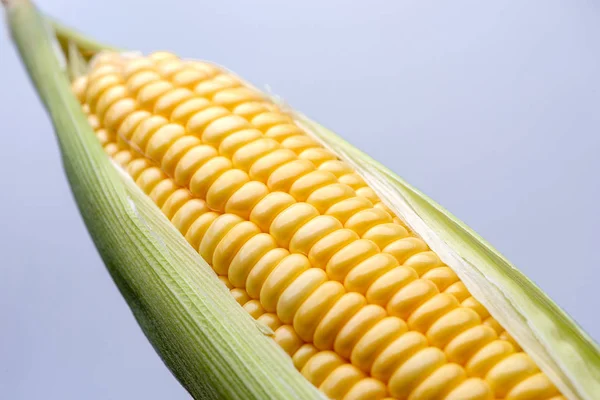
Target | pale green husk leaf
(214,348)
(561,348)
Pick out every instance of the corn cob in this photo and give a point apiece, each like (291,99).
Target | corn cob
(361,304)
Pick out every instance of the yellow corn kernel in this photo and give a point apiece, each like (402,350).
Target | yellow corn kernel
(362,306)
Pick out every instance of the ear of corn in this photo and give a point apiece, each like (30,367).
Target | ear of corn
(372,289)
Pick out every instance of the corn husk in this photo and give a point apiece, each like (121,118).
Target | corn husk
(183,308)
(559,346)
(213,347)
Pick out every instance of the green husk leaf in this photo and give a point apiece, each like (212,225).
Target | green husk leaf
(560,347)
(87,46)
(208,341)
(77,65)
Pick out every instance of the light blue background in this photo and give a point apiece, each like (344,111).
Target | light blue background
(491,108)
